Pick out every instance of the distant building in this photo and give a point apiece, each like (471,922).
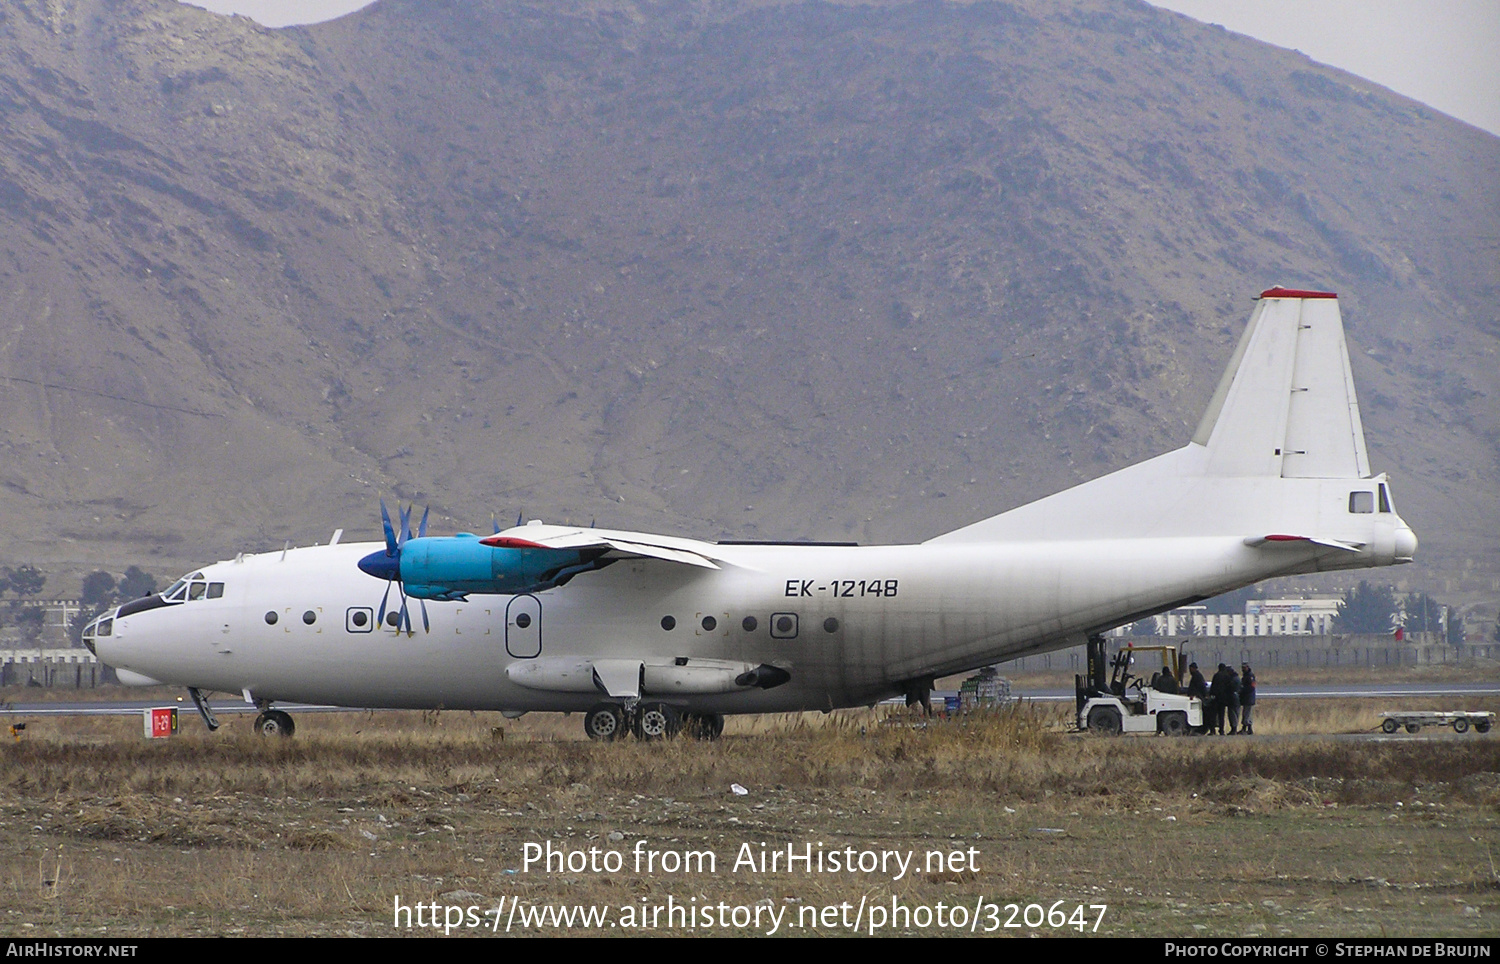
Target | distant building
(57,619)
(1262,617)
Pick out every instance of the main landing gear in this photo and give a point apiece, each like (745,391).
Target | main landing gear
(275,723)
(649,721)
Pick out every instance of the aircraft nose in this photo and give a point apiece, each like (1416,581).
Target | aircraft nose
(382,565)
(99,631)
(1406,543)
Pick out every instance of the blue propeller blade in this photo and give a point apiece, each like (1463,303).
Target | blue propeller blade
(380,616)
(390,566)
(390,535)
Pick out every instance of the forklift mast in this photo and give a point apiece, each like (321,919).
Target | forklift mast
(1092,683)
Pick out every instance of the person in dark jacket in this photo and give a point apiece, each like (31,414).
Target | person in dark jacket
(1220,697)
(1232,699)
(1247,698)
(1197,685)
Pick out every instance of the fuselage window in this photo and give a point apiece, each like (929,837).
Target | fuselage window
(1361,502)
(215,590)
(309,617)
(271,618)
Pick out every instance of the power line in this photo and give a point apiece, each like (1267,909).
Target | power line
(118,398)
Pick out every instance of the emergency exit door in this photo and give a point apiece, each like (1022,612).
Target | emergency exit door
(523,627)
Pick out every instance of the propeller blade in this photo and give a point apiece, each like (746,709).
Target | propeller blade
(426,628)
(390,535)
(494,523)
(518,516)
(422,526)
(405,525)
(380,616)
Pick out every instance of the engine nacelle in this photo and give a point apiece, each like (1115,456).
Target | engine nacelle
(451,567)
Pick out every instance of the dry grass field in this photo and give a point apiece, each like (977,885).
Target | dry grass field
(103,833)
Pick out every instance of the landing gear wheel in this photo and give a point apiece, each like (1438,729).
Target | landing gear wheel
(275,723)
(1105,720)
(1173,724)
(1460,725)
(657,721)
(703,726)
(1413,727)
(1390,726)
(605,722)
(1483,726)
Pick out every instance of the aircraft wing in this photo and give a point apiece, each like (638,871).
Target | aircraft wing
(621,545)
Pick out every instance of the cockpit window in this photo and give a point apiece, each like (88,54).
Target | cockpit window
(1385,498)
(1361,502)
(192,587)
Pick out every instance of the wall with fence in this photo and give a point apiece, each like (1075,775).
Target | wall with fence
(1420,649)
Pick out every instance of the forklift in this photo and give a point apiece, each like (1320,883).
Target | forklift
(1129,702)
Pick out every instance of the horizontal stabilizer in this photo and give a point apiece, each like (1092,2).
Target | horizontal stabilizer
(1275,541)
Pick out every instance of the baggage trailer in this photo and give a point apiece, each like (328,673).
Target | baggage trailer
(1414,720)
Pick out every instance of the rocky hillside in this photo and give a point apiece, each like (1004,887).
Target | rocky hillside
(744,269)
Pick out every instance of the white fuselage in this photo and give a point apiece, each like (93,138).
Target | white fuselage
(1275,481)
(898,613)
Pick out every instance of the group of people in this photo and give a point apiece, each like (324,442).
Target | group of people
(1230,694)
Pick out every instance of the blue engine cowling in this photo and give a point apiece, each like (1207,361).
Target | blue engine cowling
(451,567)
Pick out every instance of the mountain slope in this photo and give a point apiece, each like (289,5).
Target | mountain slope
(742,269)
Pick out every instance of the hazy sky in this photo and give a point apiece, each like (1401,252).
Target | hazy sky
(1445,53)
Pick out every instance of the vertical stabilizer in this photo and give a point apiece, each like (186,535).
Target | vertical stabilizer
(1286,405)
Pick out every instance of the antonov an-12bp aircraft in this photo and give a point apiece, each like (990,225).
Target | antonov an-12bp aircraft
(650,633)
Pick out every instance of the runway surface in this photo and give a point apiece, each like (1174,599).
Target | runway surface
(1308,691)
